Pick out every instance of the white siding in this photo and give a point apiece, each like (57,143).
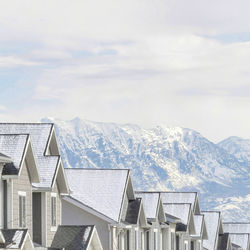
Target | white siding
(72,215)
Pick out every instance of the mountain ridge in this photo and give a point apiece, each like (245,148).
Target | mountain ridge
(163,158)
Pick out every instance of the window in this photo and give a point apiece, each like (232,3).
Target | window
(177,242)
(172,240)
(22,209)
(53,210)
(155,240)
(127,242)
(192,245)
(147,240)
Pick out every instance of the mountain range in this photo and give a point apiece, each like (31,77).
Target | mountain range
(164,158)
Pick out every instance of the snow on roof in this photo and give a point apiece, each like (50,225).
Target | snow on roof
(14,238)
(39,134)
(241,240)
(236,227)
(100,189)
(150,203)
(72,237)
(178,210)
(212,220)
(198,222)
(14,147)
(179,197)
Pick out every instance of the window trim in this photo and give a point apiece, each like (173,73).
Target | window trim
(22,220)
(53,196)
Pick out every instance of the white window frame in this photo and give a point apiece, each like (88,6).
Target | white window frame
(22,216)
(53,196)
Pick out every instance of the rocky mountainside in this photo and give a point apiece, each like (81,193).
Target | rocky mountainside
(164,158)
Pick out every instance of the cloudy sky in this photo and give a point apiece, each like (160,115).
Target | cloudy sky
(174,62)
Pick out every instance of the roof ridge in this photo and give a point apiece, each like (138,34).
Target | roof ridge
(127,169)
(236,223)
(28,123)
(14,134)
(174,203)
(179,192)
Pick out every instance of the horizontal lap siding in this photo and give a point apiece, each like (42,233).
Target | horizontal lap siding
(22,184)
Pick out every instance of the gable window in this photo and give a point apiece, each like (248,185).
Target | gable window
(53,210)
(22,209)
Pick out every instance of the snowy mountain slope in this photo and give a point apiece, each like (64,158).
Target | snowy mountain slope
(160,158)
(239,147)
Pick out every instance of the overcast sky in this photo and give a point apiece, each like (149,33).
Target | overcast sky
(174,62)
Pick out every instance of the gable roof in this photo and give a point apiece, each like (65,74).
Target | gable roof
(184,212)
(14,146)
(181,197)
(40,134)
(100,189)
(236,227)
(19,150)
(199,224)
(72,237)
(242,240)
(14,238)
(213,221)
(150,202)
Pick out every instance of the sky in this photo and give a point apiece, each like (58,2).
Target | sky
(173,62)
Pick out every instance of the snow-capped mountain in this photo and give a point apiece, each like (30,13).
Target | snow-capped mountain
(164,158)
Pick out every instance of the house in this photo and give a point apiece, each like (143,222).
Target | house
(239,234)
(158,234)
(17,177)
(76,237)
(185,227)
(32,183)
(105,197)
(189,202)
(217,239)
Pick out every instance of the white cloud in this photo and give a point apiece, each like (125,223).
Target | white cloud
(134,61)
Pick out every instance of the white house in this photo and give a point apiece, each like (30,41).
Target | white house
(103,197)
(239,234)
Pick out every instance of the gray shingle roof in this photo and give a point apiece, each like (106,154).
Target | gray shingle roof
(13,146)
(212,220)
(179,197)
(14,238)
(150,202)
(39,133)
(236,227)
(242,240)
(99,189)
(72,237)
(133,211)
(178,210)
